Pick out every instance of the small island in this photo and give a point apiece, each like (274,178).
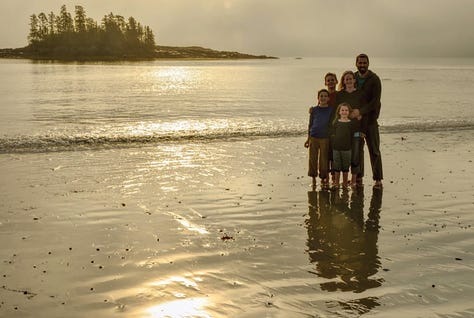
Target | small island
(80,38)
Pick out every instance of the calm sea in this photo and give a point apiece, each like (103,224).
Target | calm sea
(49,106)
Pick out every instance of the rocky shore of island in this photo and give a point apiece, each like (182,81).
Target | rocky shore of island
(160,52)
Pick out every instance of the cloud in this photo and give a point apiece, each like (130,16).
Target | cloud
(281,27)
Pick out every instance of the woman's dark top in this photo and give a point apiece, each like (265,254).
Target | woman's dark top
(356,100)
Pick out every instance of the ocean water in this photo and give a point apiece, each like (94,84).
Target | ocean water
(50,106)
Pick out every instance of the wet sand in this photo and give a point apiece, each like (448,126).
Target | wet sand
(233,229)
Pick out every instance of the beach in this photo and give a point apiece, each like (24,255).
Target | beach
(232,228)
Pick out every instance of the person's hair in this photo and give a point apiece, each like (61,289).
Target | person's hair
(330,74)
(336,118)
(342,86)
(322,91)
(363,56)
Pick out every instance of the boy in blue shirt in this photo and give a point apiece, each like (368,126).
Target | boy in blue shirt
(318,139)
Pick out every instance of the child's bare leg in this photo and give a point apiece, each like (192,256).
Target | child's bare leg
(354,180)
(337,176)
(313,182)
(345,176)
(325,183)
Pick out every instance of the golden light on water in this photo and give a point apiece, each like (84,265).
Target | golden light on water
(174,73)
(173,79)
(183,125)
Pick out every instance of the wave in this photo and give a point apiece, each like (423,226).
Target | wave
(25,144)
(54,142)
(428,126)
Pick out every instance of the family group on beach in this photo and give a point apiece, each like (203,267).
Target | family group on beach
(341,124)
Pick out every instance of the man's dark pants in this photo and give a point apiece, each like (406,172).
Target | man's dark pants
(373,145)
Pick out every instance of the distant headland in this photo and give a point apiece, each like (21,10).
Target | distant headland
(64,37)
(160,52)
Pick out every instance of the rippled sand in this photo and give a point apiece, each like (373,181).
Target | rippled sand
(232,229)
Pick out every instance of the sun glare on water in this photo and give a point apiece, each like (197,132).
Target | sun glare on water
(176,126)
(172,73)
(173,79)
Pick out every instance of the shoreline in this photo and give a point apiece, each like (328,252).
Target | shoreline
(46,143)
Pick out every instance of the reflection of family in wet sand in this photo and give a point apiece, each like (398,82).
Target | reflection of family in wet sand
(341,243)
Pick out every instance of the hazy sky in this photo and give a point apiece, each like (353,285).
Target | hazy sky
(279,27)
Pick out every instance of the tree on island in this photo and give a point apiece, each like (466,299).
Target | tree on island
(66,37)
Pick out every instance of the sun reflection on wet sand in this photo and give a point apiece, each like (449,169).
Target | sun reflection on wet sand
(181,307)
(186,282)
(192,307)
(160,171)
(187,224)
